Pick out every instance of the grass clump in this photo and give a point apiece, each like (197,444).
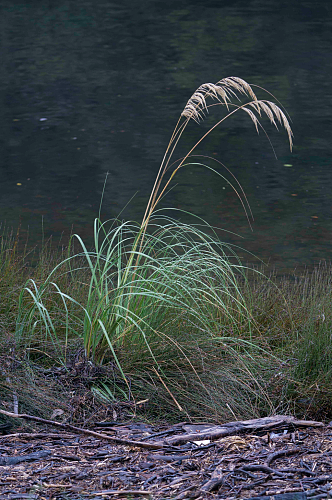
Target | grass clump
(165,307)
(289,317)
(176,318)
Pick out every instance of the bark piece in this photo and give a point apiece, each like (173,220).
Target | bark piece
(13,460)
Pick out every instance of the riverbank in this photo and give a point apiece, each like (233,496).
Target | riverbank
(275,358)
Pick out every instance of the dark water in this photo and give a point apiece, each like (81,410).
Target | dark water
(93,87)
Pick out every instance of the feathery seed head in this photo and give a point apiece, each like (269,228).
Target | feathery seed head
(223,91)
(227,89)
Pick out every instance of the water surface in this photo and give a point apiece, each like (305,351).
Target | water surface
(94,87)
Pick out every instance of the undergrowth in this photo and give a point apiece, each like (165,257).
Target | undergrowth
(290,318)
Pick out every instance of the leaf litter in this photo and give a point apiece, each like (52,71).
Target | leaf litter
(271,458)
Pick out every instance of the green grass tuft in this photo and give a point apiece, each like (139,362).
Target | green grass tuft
(160,317)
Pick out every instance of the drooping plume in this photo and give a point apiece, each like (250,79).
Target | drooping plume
(229,89)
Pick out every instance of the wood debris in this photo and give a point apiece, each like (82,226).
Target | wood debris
(273,458)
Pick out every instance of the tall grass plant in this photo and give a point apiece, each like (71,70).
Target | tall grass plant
(161,299)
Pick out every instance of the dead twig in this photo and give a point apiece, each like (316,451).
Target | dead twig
(36,435)
(128,442)
(283,453)
(120,492)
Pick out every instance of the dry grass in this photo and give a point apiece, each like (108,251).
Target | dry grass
(223,92)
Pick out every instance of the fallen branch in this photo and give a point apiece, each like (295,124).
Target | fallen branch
(218,431)
(128,442)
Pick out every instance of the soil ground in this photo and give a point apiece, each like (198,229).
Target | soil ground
(287,461)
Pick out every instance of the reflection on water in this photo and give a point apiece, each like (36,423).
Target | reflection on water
(96,87)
